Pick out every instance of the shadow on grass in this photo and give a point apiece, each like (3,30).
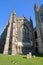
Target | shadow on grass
(39,55)
(25,57)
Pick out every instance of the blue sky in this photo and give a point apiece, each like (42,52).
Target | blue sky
(23,7)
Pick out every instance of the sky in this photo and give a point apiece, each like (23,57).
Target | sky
(22,7)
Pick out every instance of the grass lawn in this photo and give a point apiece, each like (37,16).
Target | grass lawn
(20,60)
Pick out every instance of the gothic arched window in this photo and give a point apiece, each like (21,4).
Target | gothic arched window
(41,17)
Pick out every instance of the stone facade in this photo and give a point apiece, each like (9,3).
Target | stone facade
(17,36)
(39,27)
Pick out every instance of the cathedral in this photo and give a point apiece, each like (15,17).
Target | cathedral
(20,37)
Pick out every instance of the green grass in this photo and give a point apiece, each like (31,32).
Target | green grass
(20,60)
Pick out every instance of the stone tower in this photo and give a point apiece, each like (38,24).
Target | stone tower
(39,27)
